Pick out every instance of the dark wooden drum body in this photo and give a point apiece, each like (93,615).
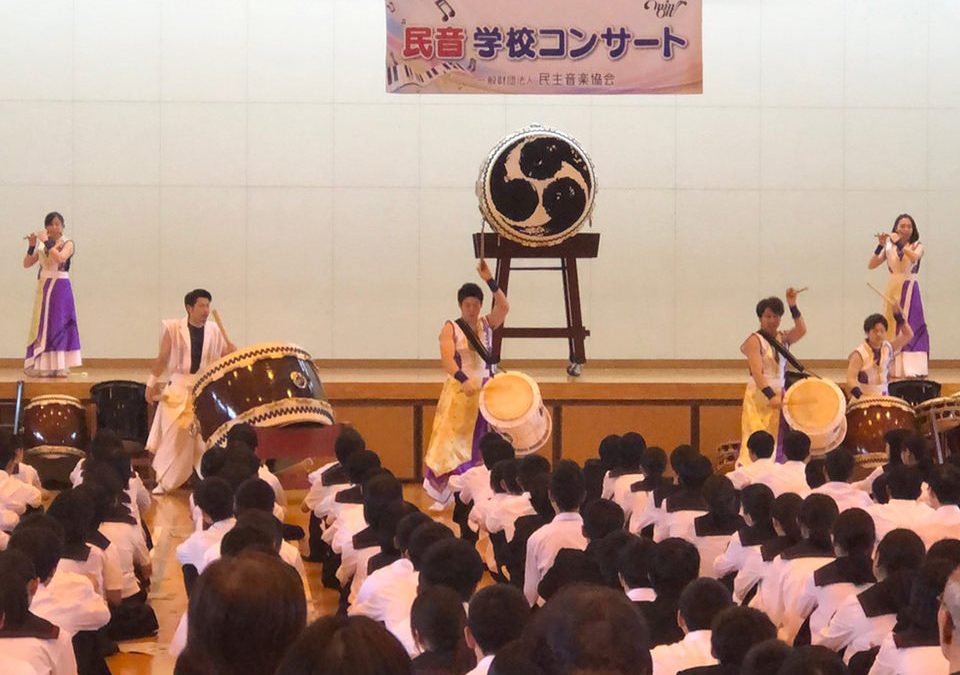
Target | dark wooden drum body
(915,391)
(266,385)
(121,406)
(54,437)
(870,417)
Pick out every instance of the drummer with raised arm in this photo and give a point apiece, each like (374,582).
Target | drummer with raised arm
(763,398)
(868,366)
(465,346)
(187,345)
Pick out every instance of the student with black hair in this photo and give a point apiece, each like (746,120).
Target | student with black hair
(944,522)
(596,469)
(765,658)
(653,463)
(107,447)
(700,603)
(496,617)
(811,660)
(338,645)
(854,538)
(758,559)
(564,531)
(733,633)
(914,646)
(650,518)
(756,502)
(791,475)
(453,563)
(325,483)
(633,569)
(673,563)
(761,460)
(632,448)
(893,441)
(15,495)
(687,503)
(863,620)
(712,531)
(473,486)
(815,473)
(571,566)
(839,465)
(498,514)
(214,498)
(902,509)
(538,486)
(787,576)
(438,620)
(24,636)
(916,452)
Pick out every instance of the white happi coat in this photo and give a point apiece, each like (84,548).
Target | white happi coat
(174,441)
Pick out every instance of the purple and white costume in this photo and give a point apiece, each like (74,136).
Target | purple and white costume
(54,341)
(912,361)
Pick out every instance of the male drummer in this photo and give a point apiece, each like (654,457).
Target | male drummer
(187,346)
(868,366)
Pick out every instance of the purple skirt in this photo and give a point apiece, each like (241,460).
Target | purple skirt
(921,338)
(57,343)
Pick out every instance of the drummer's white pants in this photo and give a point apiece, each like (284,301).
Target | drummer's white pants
(176,448)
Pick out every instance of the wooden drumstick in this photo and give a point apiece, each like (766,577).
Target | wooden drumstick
(217,320)
(890,301)
(801,290)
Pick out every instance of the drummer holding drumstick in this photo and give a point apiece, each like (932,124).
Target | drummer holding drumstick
(465,346)
(868,367)
(764,394)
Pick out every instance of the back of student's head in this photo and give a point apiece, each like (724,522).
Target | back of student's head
(406,526)
(855,535)
(105,446)
(945,484)
(817,516)
(422,538)
(609,451)
(214,496)
(761,444)
(900,550)
(632,446)
(453,563)
(348,442)
(385,527)
(815,473)
(695,471)
(925,594)
(674,563)
(75,512)
(895,440)
(735,630)
(497,616)
(239,464)
(633,562)
(786,512)
(840,464)
(567,487)
(495,448)
(653,462)
(245,612)
(244,431)
(948,549)
(513,660)
(680,455)
(8,449)
(722,499)
(571,566)
(16,573)
(265,522)
(539,489)
(796,446)
(378,492)
(41,545)
(757,500)
(361,463)
(904,482)
(601,517)
(105,475)
(701,601)
(345,645)
(437,619)
(245,537)
(606,552)
(582,629)
(813,660)
(504,477)
(765,658)
(917,446)
(255,493)
(531,466)
(99,496)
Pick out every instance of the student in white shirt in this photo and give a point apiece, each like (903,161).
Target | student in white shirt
(653,463)
(508,502)
(632,447)
(23,635)
(340,644)
(596,471)
(791,476)
(839,465)
(74,510)
(564,531)
(473,486)
(948,620)
(712,532)
(944,522)
(757,505)
(649,518)
(15,495)
(759,559)
(496,616)
(863,620)
(107,447)
(633,568)
(685,504)
(760,448)
(673,564)
(27,473)
(700,603)
(914,646)
(733,632)
(902,509)
(214,497)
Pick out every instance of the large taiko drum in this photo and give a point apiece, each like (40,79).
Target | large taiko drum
(266,385)
(537,187)
(54,437)
(122,407)
(870,417)
(817,407)
(512,405)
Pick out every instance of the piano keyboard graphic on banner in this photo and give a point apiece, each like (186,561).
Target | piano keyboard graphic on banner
(400,75)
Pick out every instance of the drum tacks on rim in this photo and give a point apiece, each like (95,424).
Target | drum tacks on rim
(512,405)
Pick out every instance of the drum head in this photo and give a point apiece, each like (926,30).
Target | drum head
(508,396)
(812,404)
(537,187)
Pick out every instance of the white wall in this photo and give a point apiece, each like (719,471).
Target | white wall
(249,147)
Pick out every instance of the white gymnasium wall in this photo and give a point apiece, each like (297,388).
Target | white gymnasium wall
(248,146)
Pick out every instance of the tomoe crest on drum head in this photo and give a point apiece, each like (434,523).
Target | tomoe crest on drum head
(537,187)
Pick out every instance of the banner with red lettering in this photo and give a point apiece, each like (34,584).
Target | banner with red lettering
(537,47)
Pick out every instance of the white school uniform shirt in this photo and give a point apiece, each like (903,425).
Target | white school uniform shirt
(564,531)
(191,551)
(789,477)
(387,595)
(943,523)
(754,567)
(12,666)
(780,591)
(131,551)
(897,513)
(289,554)
(113,579)
(139,495)
(732,558)
(709,547)
(317,489)
(692,651)
(641,594)
(483,665)
(363,557)
(70,602)
(845,495)
(4,540)
(912,661)
(502,515)
(268,477)
(822,602)
(850,627)
(92,568)
(16,496)
(622,494)
(46,657)
(28,475)
(8,521)
(473,484)
(639,504)
(755,472)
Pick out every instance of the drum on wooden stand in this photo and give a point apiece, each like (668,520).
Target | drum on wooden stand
(939,418)
(54,437)
(265,385)
(512,405)
(817,407)
(870,417)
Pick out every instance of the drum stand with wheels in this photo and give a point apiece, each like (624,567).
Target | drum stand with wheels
(583,245)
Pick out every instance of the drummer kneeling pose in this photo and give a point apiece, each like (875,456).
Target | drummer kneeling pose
(187,345)
(868,367)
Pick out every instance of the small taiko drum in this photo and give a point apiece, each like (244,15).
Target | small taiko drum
(915,390)
(512,405)
(940,414)
(54,437)
(817,407)
(122,407)
(870,417)
(266,385)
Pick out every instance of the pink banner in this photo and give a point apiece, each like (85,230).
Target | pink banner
(537,47)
